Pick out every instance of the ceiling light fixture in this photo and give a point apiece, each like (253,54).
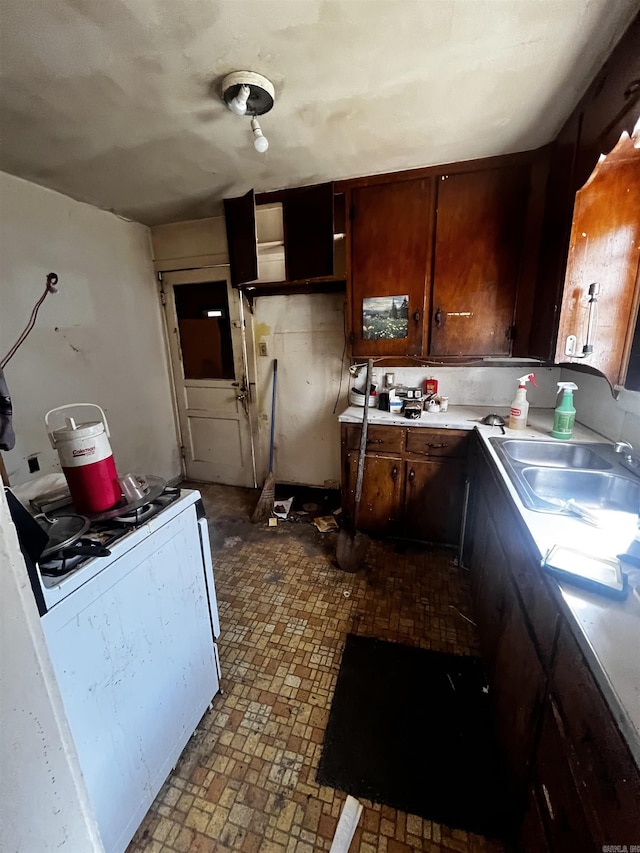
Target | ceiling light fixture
(249,93)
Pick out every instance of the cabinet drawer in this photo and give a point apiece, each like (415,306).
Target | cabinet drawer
(431,442)
(606,774)
(380,439)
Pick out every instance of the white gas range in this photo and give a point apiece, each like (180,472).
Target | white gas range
(132,641)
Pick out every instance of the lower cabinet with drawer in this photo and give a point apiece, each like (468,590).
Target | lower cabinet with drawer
(574,782)
(414,481)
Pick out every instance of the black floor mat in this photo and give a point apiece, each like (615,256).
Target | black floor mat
(411,729)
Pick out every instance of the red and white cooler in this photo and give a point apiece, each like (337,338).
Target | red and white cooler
(87,460)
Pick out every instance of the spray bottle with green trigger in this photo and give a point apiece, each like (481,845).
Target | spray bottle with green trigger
(565,414)
(520,406)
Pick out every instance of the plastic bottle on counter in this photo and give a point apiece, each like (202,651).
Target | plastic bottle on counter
(565,414)
(395,403)
(520,406)
(430,386)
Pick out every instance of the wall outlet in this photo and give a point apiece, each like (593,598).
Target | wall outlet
(262,348)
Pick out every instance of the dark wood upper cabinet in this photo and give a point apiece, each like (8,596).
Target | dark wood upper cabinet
(240,218)
(610,105)
(390,261)
(284,241)
(480,223)
(604,250)
(437,262)
(308,232)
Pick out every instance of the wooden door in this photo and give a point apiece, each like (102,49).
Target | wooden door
(308,232)
(240,219)
(601,762)
(492,598)
(382,489)
(390,262)
(208,359)
(533,836)
(476,549)
(562,811)
(605,250)
(480,221)
(518,688)
(433,500)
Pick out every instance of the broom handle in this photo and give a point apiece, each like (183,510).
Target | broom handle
(363,442)
(273,414)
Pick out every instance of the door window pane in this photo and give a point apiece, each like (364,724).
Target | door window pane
(205,330)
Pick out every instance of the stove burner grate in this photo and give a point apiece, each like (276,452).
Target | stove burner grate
(108,531)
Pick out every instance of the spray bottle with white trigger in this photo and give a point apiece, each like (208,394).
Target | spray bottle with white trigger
(565,414)
(520,406)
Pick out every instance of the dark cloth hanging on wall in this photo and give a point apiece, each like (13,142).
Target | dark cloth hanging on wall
(7,435)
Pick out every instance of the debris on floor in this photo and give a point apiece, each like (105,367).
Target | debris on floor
(325,523)
(281,509)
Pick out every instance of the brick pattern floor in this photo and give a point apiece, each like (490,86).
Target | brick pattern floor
(246,780)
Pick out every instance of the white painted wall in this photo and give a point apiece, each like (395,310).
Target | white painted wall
(596,407)
(493,385)
(98,340)
(44,805)
(306,334)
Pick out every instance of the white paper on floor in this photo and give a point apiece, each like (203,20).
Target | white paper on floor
(281,508)
(347,825)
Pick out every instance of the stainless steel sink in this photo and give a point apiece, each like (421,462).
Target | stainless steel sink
(592,489)
(553,454)
(546,474)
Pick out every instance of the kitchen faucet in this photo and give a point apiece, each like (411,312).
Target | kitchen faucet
(621,446)
(629,459)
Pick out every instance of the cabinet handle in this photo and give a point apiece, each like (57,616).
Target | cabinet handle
(412,475)
(394,473)
(436,445)
(438,318)
(416,316)
(374,441)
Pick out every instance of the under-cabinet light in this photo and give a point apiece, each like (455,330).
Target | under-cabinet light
(213,312)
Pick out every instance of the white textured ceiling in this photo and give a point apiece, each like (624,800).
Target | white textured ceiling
(116,102)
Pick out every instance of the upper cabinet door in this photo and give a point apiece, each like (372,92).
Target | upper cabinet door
(390,262)
(240,218)
(604,251)
(479,235)
(308,232)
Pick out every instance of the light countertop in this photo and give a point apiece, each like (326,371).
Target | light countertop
(607,631)
(468,417)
